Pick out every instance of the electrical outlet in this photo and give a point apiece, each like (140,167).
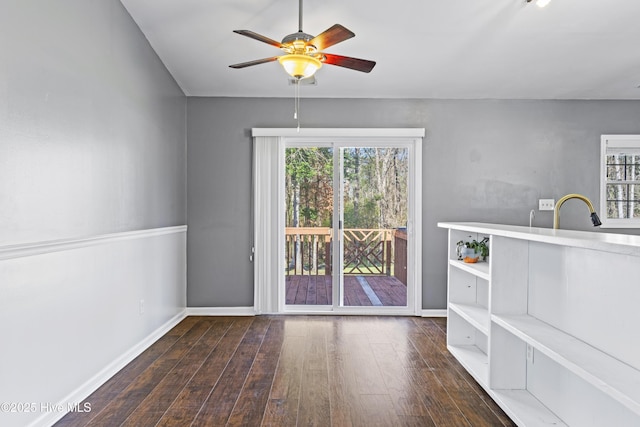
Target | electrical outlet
(530,353)
(546,204)
(141,306)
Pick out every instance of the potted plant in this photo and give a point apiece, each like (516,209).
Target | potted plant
(472,250)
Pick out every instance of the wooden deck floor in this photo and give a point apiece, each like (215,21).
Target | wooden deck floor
(359,291)
(294,371)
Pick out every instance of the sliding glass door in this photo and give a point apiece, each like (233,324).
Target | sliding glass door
(374,207)
(337,221)
(308,234)
(346,210)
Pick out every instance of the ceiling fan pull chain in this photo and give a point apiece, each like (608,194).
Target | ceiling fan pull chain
(297,103)
(296,93)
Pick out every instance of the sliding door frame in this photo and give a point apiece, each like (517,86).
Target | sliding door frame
(269,222)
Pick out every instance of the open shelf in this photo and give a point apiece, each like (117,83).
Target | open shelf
(479,269)
(525,409)
(611,376)
(473,360)
(579,372)
(476,315)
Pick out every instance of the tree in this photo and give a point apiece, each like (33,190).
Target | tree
(309,189)
(375,185)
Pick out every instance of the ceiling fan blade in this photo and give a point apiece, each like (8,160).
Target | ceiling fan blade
(331,36)
(258,37)
(256,62)
(348,62)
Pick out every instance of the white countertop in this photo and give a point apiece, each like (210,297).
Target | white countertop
(626,244)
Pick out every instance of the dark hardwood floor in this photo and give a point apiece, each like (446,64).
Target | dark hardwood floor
(294,371)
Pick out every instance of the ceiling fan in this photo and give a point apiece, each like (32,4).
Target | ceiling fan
(304,53)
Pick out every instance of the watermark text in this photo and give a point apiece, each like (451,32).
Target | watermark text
(25,407)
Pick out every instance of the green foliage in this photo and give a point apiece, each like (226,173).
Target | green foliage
(480,247)
(374,187)
(308,192)
(367,216)
(306,163)
(309,214)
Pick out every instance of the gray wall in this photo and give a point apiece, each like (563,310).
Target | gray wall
(92,126)
(486,161)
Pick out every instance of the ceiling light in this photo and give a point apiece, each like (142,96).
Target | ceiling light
(300,66)
(540,3)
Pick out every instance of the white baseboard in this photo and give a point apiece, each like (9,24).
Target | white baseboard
(221,311)
(434,313)
(250,311)
(82,392)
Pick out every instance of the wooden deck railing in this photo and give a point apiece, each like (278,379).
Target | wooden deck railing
(308,250)
(366,251)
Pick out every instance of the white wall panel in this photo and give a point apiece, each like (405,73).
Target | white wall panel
(70,316)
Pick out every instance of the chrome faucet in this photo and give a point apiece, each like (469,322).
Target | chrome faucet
(556,211)
(532,215)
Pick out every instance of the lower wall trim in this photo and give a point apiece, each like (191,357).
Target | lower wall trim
(250,311)
(221,311)
(434,313)
(80,394)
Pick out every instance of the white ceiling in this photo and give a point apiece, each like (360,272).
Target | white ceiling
(454,49)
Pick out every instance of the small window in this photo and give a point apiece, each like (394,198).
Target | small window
(620,181)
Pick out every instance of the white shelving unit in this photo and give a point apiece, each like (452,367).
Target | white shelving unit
(602,371)
(477,316)
(479,269)
(547,325)
(468,311)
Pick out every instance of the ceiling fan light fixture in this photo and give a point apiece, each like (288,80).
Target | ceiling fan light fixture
(300,66)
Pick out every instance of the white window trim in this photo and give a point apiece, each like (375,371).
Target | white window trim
(269,145)
(608,144)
